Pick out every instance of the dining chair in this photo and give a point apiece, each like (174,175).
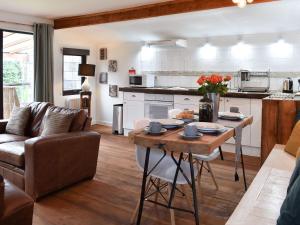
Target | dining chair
(162,169)
(201,159)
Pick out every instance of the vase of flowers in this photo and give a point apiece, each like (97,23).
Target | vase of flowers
(211,87)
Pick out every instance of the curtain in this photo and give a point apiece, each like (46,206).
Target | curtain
(43,63)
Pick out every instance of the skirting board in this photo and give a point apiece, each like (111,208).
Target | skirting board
(104,123)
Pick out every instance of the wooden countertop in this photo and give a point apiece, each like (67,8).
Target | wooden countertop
(255,95)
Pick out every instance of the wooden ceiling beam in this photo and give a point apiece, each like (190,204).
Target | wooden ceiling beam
(145,11)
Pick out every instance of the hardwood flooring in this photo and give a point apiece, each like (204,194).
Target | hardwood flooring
(111,197)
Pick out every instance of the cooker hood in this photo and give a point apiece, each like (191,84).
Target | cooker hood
(175,43)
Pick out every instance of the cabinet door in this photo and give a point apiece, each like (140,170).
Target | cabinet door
(244,106)
(133,110)
(256,112)
(187,106)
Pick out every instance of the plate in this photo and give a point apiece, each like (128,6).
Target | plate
(210,127)
(170,123)
(190,137)
(231,116)
(162,131)
(189,120)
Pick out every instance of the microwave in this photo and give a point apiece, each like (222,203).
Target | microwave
(142,80)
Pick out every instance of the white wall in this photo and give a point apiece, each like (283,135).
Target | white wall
(68,39)
(19,22)
(127,55)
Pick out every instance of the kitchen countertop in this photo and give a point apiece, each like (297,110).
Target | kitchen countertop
(192,91)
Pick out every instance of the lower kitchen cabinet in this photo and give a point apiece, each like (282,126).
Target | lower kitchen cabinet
(133,110)
(256,112)
(244,105)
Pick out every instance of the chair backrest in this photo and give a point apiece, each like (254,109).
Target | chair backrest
(155,154)
(174,112)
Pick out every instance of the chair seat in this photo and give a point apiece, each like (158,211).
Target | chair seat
(212,156)
(13,153)
(4,138)
(166,169)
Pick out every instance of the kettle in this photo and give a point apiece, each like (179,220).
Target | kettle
(288,85)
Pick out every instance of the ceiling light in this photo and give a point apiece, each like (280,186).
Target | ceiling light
(242,3)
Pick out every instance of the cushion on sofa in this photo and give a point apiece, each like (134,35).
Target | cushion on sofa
(38,110)
(56,123)
(79,117)
(18,121)
(294,141)
(4,138)
(13,153)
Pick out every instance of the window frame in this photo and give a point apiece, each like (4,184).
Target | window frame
(83,53)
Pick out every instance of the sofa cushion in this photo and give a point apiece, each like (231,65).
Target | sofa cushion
(4,138)
(18,121)
(79,117)
(294,141)
(56,123)
(38,110)
(13,153)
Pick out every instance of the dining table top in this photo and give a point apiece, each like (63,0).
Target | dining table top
(172,141)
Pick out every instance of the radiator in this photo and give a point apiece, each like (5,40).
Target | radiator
(73,103)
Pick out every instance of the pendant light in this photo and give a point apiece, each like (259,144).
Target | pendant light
(242,3)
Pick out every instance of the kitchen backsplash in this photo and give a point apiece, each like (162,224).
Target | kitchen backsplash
(189,79)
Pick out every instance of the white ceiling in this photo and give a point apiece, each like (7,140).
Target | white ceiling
(53,9)
(276,17)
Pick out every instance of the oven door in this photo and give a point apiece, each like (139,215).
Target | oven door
(157,110)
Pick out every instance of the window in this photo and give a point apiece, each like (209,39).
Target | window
(16,70)
(71,60)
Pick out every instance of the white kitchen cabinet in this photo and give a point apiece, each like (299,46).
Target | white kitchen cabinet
(133,109)
(256,112)
(244,105)
(186,102)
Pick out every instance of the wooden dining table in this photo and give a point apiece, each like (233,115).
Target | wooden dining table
(173,143)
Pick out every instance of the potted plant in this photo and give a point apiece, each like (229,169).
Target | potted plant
(211,87)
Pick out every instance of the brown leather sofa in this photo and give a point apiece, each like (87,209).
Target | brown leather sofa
(41,165)
(16,207)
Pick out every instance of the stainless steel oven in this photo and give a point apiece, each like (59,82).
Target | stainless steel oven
(157,106)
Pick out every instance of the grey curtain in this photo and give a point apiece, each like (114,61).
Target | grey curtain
(43,63)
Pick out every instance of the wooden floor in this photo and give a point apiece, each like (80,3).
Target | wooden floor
(110,198)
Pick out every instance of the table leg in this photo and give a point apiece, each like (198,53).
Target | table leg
(221,153)
(243,167)
(175,179)
(195,200)
(142,197)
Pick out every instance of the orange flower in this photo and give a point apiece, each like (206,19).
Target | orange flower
(202,80)
(227,78)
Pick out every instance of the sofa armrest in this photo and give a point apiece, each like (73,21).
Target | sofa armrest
(3,124)
(1,195)
(56,161)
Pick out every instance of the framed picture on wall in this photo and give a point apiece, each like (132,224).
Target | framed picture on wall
(112,66)
(113,90)
(103,53)
(103,78)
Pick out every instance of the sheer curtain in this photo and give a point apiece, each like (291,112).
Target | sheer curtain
(43,62)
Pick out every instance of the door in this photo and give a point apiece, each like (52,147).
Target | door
(16,70)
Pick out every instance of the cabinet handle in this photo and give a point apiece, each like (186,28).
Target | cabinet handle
(187,99)
(227,100)
(133,96)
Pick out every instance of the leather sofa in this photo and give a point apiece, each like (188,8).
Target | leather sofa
(16,207)
(41,165)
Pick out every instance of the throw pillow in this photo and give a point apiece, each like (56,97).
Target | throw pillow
(18,121)
(294,141)
(56,123)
